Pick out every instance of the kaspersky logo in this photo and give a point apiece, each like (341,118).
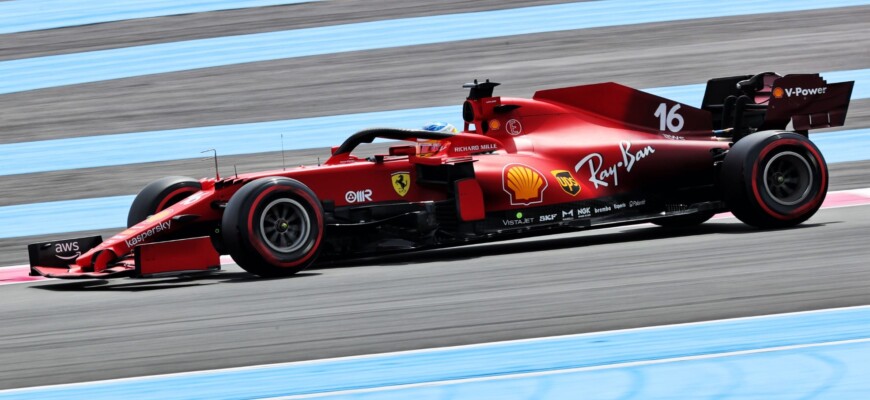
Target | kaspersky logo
(523,184)
(779,92)
(163,226)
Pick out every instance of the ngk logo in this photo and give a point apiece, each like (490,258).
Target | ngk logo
(358,196)
(798,91)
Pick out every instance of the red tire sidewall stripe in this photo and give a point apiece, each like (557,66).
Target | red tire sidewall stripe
(264,250)
(162,204)
(755,184)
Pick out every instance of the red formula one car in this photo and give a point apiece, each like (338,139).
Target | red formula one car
(571,158)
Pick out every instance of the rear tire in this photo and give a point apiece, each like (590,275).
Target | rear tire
(273,227)
(159,195)
(774,179)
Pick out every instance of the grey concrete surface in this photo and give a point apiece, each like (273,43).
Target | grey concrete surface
(57,332)
(129,179)
(138,32)
(648,55)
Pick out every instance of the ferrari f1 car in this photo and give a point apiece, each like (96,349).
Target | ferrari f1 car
(570,158)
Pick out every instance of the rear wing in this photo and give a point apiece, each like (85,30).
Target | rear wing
(768,101)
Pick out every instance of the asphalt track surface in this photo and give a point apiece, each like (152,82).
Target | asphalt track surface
(55,332)
(59,332)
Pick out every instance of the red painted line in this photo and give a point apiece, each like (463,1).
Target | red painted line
(845,198)
(17,274)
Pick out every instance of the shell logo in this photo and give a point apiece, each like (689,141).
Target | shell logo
(523,184)
(494,124)
(778,92)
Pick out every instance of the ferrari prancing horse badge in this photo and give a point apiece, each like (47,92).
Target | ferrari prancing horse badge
(401,182)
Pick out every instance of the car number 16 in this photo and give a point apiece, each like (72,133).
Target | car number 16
(672,120)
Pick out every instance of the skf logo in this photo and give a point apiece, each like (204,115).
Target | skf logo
(547,218)
(567,181)
(401,182)
(358,196)
(523,184)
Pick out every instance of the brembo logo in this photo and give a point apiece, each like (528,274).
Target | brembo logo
(163,226)
(798,91)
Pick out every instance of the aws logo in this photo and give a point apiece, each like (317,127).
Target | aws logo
(566,181)
(67,247)
(524,184)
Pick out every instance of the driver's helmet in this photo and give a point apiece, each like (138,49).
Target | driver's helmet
(442,127)
(429,147)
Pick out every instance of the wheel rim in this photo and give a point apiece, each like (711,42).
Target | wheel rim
(788,178)
(284,225)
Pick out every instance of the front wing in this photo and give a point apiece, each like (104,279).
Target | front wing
(176,257)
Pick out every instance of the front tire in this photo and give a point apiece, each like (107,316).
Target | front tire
(159,195)
(273,227)
(774,179)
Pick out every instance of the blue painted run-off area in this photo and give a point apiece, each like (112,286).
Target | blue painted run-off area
(303,133)
(591,366)
(31,15)
(68,69)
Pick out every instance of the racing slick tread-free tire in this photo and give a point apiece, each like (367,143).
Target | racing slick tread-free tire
(160,194)
(774,179)
(273,227)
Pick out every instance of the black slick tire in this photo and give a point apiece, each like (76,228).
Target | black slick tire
(159,195)
(774,179)
(273,227)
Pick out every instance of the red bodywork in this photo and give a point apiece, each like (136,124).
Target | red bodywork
(574,157)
